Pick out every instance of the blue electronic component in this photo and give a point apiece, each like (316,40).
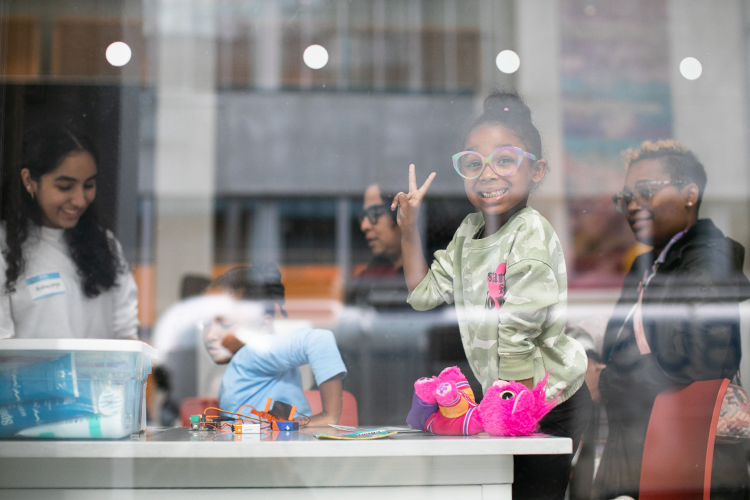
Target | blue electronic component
(282,425)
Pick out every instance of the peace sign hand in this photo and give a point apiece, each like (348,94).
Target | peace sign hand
(408,204)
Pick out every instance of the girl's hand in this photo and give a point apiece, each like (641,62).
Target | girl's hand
(408,204)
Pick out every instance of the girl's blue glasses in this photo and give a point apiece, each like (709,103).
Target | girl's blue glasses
(504,161)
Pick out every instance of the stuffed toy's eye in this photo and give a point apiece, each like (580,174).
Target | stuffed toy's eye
(507,394)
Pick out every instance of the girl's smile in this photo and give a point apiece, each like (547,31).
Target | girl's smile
(493,195)
(66,192)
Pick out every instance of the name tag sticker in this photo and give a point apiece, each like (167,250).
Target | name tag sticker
(45,285)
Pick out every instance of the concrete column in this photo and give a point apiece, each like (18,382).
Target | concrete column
(450,15)
(378,44)
(232,231)
(344,52)
(127,175)
(265,242)
(710,114)
(306,29)
(415,45)
(343,238)
(184,144)
(538,46)
(496,33)
(268,47)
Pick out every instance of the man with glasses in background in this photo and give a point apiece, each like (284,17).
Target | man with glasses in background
(677,319)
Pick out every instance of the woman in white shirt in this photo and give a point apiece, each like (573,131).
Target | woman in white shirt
(63,275)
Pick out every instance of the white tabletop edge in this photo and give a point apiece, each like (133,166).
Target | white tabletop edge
(458,446)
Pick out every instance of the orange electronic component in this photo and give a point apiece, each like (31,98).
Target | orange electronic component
(279,417)
(280,411)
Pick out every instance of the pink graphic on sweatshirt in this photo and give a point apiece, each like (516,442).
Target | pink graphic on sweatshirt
(496,288)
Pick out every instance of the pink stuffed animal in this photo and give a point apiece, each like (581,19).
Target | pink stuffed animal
(510,409)
(449,394)
(445,405)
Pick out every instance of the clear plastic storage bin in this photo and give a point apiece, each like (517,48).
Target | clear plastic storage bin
(73,388)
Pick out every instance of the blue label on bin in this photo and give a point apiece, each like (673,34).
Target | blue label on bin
(15,418)
(31,382)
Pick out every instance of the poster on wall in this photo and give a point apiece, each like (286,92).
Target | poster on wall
(616,94)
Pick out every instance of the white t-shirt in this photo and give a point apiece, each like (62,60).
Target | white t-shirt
(49,301)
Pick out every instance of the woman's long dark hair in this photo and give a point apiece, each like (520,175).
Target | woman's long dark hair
(92,251)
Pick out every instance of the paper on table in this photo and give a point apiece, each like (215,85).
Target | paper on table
(344,427)
(389,429)
(359,435)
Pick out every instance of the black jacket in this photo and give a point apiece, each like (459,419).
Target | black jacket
(691,322)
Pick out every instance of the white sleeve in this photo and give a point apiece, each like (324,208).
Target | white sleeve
(125,320)
(7,328)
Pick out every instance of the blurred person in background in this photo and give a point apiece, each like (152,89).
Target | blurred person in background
(263,365)
(63,274)
(381,282)
(383,235)
(677,319)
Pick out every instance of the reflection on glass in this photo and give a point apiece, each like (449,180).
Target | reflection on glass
(315,56)
(221,143)
(677,320)
(118,53)
(691,68)
(508,61)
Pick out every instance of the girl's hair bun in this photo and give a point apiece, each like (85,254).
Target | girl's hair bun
(509,110)
(509,104)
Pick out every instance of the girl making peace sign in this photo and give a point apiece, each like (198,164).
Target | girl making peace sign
(505,271)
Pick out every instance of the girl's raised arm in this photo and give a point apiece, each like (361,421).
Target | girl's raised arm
(415,265)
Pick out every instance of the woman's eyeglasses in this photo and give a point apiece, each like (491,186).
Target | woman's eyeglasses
(642,192)
(373,213)
(504,161)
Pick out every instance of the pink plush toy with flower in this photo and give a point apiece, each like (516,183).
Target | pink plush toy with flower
(445,405)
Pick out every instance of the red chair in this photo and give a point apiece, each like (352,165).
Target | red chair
(195,406)
(678,454)
(348,408)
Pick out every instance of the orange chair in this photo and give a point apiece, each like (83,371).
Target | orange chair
(348,408)
(195,406)
(678,455)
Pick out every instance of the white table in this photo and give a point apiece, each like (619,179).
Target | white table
(181,464)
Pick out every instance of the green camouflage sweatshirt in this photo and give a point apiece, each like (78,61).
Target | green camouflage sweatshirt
(510,291)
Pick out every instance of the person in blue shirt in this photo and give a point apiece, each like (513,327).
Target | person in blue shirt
(263,365)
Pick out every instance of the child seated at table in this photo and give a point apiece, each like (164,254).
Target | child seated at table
(263,365)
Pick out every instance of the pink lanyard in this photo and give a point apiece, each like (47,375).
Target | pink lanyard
(636,312)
